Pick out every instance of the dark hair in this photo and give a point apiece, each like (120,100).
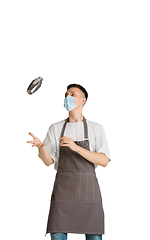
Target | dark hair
(80,87)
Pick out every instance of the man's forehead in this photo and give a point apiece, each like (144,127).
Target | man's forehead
(74,89)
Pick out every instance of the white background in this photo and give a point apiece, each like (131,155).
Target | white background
(104,46)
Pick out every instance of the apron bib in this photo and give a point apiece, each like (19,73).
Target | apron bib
(76,202)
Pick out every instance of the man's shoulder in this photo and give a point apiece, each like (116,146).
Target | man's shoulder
(92,124)
(57,124)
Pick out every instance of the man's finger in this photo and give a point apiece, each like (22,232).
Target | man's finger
(32,135)
(29,141)
(64,141)
(41,144)
(63,138)
(65,144)
(33,145)
(60,139)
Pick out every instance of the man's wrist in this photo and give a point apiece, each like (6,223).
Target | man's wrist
(40,146)
(78,149)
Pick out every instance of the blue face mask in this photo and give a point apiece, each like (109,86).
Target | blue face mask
(69,103)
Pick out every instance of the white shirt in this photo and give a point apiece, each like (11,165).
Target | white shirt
(96,136)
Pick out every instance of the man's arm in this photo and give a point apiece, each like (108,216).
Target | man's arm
(97,158)
(45,156)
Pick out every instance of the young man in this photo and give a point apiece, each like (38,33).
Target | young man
(76,146)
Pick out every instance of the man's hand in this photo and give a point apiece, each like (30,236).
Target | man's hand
(67,141)
(93,157)
(36,142)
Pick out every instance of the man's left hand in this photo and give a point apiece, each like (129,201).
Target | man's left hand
(67,141)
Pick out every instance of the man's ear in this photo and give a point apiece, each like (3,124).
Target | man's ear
(84,101)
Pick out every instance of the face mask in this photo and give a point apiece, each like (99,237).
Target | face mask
(69,103)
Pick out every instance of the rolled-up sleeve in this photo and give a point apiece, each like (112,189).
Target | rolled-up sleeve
(101,144)
(50,142)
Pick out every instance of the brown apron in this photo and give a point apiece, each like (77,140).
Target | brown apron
(76,202)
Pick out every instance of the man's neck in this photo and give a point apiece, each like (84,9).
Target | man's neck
(75,117)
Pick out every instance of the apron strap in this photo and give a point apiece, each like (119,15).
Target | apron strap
(85,128)
(63,129)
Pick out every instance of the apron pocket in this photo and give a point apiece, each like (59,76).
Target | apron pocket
(66,187)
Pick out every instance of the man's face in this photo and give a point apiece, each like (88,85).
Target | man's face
(78,94)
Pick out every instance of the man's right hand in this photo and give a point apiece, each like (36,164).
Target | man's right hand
(36,142)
